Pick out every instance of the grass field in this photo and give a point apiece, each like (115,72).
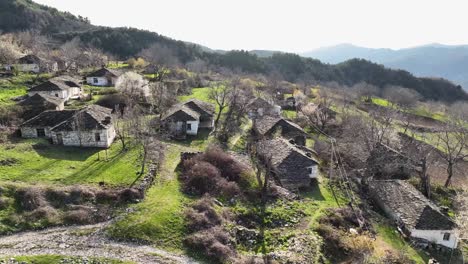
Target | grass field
(15,86)
(202,94)
(35,160)
(159,219)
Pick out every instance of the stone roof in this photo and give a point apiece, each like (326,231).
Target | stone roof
(190,110)
(49,118)
(289,161)
(267,124)
(409,205)
(201,107)
(88,118)
(103,72)
(182,113)
(56,84)
(40,99)
(258,102)
(29,59)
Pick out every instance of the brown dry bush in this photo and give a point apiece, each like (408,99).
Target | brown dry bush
(230,168)
(202,215)
(106,196)
(130,195)
(228,189)
(201,178)
(30,198)
(214,242)
(46,213)
(79,216)
(80,194)
(3,203)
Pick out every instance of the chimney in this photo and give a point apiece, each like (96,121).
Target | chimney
(292,141)
(107,120)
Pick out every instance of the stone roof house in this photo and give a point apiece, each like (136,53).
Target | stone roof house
(103,77)
(259,107)
(267,127)
(416,215)
(188,117)
(38,103)
(293,166)
(32,63)
(63,87)
(88,127)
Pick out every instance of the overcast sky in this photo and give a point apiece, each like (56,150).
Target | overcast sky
(287,25)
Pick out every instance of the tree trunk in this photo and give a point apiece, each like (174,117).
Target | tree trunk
(425,179)
(143,162)
(450,174)
(218,116)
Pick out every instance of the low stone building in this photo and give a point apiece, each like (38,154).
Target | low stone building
(415,215)
(41,125)
(32,63)
(88,127)
(103,77)
(268,127)
(188,117)
(293,166)
(63,87)
(259,107)
(36,104)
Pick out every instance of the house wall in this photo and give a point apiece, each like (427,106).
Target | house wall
(61,94)
(437,236)
(75,92)
(314,174)
(194,130)
(206,124)
(86,138)
(101,81)
(31,132)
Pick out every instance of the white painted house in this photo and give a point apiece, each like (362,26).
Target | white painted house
(34,64)
(63,87)
(415,215)
(103,77)
(188,117)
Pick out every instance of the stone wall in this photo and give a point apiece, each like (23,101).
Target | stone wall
(31,132)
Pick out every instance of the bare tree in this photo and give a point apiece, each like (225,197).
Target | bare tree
(133,85)
(403,97)
(8,52)
(71,52)
(237,103)
(220,93)
(453,142)
(161,97)
(365,90)
(376,129)
(162,57)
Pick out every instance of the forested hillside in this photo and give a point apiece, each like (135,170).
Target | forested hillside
(21,15)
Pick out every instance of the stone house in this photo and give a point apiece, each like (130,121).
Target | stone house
(259,107)
(293,166)
(103,77)
(36,104)
(187,118)
(40,126)
(415,215)
(88,127)
(63,87)
(268,127)
(32,63)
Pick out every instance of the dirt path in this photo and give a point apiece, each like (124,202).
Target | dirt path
(83,241)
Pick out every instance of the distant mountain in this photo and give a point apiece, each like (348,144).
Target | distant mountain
(20,15)
(432,60)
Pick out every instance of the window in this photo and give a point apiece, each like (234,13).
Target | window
(97,137)
(189,126)
(446,236)
(56,95)
(95,80)
(40,132)
(312,171)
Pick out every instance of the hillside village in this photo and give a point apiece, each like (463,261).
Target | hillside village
(146,159)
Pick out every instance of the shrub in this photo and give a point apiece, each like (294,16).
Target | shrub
(106,196)
(79,194)
(3,203)
(202,215)
(229,167)
(228,189)
(79,216)
(111,100)
(214,242)
(46,213)
(201,178)
(30,198)
(130,195)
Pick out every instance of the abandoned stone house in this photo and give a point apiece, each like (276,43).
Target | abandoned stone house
(259,107)
(88,127)
(269,127)
(103,77)
(36,104)
(32,63)
(415,215)
(385,163)
(293,166)
(189,117)
(63,87)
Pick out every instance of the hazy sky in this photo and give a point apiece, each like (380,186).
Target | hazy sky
(294,25)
